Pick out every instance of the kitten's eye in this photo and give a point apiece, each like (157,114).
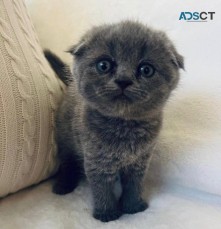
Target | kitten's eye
(104,66)
(146,70)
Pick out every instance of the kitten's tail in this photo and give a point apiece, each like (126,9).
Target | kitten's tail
(61,69)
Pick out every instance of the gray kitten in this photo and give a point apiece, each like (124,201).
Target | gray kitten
(111,115)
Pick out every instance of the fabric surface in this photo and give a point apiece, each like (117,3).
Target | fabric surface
(29,95)
(189,149)
(39,208)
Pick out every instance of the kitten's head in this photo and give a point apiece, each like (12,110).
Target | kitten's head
(126,69)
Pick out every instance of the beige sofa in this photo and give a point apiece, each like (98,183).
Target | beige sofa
(29,96)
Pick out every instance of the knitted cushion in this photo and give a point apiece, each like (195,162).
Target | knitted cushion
(29,95)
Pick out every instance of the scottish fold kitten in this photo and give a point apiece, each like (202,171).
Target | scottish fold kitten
(111,115)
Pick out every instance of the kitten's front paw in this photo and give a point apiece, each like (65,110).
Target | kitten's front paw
(106,216)
(62,189)
(133,207)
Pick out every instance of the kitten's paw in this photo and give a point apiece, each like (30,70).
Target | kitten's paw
(62,189)
(106,216)
(132,208)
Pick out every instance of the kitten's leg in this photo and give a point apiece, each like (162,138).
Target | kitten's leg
(132,181)
(105,203)
(69,174)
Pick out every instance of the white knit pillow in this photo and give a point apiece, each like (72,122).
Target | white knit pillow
(29,94)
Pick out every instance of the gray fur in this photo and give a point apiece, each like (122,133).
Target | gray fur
(101,133)
(60,68)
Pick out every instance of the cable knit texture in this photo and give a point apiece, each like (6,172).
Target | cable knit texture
(29,95)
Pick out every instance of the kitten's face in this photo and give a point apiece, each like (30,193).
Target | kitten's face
(126,68)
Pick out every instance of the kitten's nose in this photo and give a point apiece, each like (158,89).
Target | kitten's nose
(123,83)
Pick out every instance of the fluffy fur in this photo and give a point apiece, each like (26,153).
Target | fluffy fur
(108,122)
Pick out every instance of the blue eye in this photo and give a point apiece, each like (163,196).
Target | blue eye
(104,66)
(146,70)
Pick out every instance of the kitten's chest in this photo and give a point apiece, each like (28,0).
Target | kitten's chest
(119,135)
(117,131)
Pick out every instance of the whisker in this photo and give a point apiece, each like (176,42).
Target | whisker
(106,91)
(137,94)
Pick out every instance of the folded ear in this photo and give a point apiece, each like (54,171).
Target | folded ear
(177,59)
(78,49)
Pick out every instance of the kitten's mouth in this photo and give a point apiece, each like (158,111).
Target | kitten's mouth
(122,97)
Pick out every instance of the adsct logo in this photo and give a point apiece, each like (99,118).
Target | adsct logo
(196,16)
